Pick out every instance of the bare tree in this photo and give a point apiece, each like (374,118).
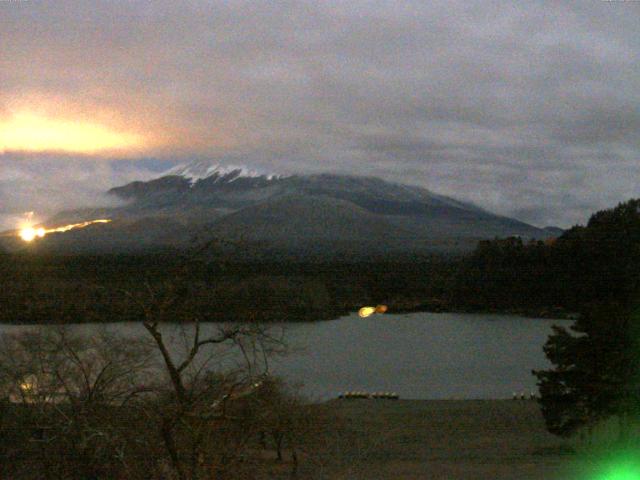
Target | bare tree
(68,392)
(194,408)
(105,406)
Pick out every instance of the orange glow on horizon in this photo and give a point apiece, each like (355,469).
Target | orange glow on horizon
(29,233)
(31,132)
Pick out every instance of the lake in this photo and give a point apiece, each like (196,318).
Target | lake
(417,355)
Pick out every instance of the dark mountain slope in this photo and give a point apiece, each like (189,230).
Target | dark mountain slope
(318,214)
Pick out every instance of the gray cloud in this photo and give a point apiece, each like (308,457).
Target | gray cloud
(47,184)
(529,109)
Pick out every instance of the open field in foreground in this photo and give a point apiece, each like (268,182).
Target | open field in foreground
(450,439)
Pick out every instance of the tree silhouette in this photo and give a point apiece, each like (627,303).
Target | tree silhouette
(596,364)
(596,371)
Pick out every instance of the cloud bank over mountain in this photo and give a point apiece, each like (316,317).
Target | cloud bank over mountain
(528,109)
(48,184)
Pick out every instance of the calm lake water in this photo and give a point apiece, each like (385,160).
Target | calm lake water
(418,355)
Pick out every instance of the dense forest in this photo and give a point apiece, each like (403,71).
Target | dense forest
(586,265)
(64,289)
(554,278)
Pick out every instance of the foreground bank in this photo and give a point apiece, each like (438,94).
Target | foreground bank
(448,440)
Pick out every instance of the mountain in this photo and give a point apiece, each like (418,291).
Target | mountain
(305,216)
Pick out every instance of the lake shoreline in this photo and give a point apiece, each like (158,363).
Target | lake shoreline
(435,306)
(394,309)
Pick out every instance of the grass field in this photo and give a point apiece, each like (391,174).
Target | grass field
(450,439)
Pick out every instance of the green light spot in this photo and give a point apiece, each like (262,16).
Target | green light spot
(624,471)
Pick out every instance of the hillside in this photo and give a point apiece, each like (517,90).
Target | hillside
(318,215)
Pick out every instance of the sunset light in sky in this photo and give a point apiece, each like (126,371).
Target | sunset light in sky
(38,133)
(459,98)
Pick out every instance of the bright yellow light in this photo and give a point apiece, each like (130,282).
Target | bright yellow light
(35,133)
(28,233)
(366,311)
(28,383)
(26,386)
(66,228)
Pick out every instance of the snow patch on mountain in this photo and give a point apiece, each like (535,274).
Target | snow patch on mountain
(196,171)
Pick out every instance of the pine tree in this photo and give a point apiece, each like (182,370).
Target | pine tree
(596,363)
(596,371)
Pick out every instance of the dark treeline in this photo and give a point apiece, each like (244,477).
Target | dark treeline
(83,288)
(586,265)
(595,378)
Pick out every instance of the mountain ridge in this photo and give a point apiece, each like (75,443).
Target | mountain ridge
(318,214)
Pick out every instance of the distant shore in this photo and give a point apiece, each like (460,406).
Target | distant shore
(436,306)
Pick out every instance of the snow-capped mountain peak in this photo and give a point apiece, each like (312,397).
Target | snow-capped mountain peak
(200,170)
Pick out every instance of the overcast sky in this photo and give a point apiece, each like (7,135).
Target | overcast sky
(529,109)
